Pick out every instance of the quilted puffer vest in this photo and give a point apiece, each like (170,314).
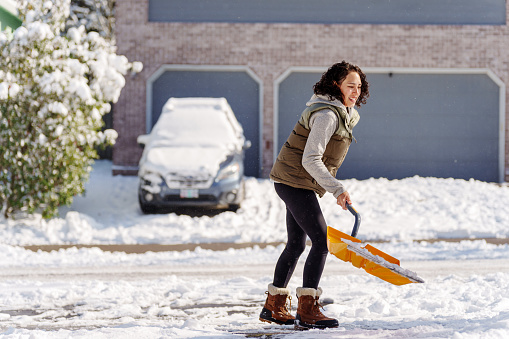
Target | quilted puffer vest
(288,167)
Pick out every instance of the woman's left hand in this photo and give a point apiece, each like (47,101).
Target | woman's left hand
(343,199)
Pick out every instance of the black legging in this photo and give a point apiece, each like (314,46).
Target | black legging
(303,217)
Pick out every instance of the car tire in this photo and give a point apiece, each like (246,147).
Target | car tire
(242,196)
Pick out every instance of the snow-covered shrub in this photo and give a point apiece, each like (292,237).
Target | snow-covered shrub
(96,15)
(54,90)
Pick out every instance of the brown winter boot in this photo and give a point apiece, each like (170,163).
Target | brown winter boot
(308,311)
(275,309)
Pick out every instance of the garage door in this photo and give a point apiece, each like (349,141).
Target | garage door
(438,125)
(238,87)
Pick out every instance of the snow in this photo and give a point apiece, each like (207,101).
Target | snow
(4,90)
(191,138)
(88,292)
(205,122)
(398,210)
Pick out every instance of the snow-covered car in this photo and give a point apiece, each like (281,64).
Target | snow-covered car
(194,156)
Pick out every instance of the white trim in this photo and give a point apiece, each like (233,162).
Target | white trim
(209,68)
(403,70)
(10,6)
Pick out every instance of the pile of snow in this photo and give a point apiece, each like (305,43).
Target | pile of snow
(380,261)
(392,210)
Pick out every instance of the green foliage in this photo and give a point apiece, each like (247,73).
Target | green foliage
(54,90)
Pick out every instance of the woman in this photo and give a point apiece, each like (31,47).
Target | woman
(306,166)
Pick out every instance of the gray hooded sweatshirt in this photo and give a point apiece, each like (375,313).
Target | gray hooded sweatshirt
(322,125)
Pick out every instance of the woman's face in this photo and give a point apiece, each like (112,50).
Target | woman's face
(351,89)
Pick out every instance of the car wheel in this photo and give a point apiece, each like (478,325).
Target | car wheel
(242,195)
(233,207)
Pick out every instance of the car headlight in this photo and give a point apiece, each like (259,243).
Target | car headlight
(231,171)
(150,180)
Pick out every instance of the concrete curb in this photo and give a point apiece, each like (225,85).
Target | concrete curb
(143,248)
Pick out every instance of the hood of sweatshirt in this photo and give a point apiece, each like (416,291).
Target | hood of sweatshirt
(351,116)
(321,99)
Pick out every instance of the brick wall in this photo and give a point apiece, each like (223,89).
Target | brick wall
(269,49)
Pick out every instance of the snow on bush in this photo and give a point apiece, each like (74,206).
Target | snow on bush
(95,15)
(54,90)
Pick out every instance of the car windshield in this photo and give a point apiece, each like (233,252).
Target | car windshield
(195,124)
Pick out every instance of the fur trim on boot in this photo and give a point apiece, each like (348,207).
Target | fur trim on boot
(308,312)
(275,309)
(278,290)
(309,291)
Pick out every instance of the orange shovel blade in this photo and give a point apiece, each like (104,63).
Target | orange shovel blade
(371,259)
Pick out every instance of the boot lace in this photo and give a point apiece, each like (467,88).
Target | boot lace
(317,306)
(288,304)
(286,307)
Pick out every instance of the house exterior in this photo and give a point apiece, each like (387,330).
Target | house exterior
(8,15)
(437,71)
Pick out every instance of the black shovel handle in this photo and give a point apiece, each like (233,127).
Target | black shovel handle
(357,222)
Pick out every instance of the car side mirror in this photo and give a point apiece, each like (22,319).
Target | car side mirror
(143,140)
(247,144)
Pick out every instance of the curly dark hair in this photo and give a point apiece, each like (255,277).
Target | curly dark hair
(334,76)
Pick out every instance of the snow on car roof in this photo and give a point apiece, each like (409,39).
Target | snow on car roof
(197,121)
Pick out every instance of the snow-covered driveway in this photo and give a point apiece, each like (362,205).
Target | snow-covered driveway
(187,300)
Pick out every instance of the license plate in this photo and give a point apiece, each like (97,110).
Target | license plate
(189,193)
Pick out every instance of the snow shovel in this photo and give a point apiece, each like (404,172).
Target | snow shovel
(372,260)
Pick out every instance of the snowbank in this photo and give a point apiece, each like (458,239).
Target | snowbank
(393,210)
